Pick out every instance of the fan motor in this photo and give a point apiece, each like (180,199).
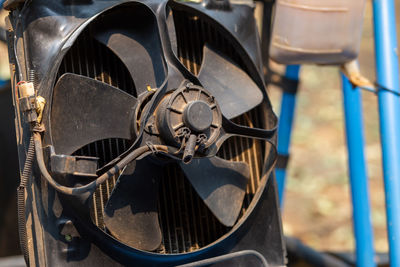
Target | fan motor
(189,111)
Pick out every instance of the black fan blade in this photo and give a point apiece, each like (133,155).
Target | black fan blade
(234,90)
(131,213)
(85,110)
(221,184)
(141,54)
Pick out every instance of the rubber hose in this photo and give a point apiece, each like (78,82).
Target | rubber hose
(90,187)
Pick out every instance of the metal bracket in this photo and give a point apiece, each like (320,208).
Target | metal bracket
(282,161)
(75,165)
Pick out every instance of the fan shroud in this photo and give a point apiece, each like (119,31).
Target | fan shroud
(187,224)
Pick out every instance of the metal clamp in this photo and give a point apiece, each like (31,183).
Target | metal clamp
(28,106)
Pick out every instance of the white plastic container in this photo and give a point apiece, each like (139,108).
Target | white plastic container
(317,31)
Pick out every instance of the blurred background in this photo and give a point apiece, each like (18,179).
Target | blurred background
(317,208)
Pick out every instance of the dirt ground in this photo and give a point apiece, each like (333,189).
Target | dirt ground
(317,207)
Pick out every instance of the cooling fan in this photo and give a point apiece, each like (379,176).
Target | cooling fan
(192,119)
(186,89)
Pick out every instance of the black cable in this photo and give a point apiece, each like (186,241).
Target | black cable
(377,87)
(90,187)
(18,23)
(298,250)
(383,88)
(17,63)
(26,173)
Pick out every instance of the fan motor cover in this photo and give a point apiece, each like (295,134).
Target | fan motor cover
(201,114)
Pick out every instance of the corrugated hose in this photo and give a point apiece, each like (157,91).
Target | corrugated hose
(26,174)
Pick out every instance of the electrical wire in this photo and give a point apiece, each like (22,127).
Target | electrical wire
(20,77)
(377,87)
(90,187)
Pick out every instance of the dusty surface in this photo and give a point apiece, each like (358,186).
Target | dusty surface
(318,207)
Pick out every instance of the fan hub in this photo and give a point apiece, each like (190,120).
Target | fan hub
(198,116)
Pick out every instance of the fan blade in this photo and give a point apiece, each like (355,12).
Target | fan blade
(234,90)
(85,110)
(232,128)
(131,213)
(141,54)
(221,184)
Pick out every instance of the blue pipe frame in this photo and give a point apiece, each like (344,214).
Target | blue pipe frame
(285,124)
(387,71)
(363,230)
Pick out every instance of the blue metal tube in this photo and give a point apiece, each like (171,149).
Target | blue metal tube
(358,175)
(387,70)
(286,116)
